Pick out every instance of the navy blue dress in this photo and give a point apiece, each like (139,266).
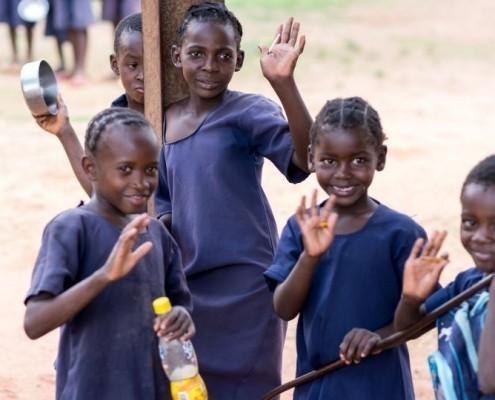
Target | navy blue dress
(108,351)
(9,14)
(357,284)
(224,226)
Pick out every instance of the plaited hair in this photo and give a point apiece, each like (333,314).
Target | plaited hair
(131,23)
(348,113)
(482,174)
(210,11)
(115,116)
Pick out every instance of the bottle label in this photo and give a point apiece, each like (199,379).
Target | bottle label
(189,389)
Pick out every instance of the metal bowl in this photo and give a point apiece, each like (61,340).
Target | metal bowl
(39,87)
(33,10)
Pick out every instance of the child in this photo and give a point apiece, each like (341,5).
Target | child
(74,17)
(102,264)
(126,62)
(345,294)
(60,37)
(421,275)
(215,142)
(9,15)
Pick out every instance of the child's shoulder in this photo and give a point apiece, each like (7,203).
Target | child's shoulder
(385,214)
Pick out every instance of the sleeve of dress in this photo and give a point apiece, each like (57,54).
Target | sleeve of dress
(162,203)
(268,132)
(286,255)
(56,265)
(404,240)
(176,287)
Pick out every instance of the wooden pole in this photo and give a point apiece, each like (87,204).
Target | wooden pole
(163,82)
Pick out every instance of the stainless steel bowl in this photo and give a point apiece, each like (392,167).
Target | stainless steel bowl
(33,10)
(39,86)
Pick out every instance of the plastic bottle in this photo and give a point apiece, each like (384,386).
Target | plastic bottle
(179,362)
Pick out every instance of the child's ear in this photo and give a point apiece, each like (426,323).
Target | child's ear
(175,56)
(311,159)
(89,167)
(114,64)
(240,60)
(382,158)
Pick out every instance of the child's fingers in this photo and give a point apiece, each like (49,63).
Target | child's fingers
(141,251)
(416,249)
(286,30)
(328,207)
(302,43)
(314,208)
(369,345)
(294,33)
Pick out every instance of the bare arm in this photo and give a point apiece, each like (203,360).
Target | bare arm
(45,312)
(278,67)
(486,352)
(421,274)
(60,126)
(290,295)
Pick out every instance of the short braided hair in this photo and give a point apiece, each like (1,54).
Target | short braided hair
(209,11)
(115,116)
(347,113)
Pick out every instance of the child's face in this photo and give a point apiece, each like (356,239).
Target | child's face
(208,57)
(129,65)
(478,224)
(345,162)
(125,169)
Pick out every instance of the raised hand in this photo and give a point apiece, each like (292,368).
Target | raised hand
(123,259)
(279,61)
(317,227)
(55,124)
(423,267)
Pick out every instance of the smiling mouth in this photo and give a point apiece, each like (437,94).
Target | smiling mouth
(344,190)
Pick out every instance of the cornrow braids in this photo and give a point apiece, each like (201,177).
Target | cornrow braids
(209,11)
(101,122)
(482,174)
(131,23)
(347,113)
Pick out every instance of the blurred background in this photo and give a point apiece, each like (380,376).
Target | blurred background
(427,67)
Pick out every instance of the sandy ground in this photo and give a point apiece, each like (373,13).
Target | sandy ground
(427,67)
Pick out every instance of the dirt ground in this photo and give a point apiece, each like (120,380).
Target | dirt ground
(427,67)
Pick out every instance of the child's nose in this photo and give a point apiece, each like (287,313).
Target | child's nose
(483,234)
(342,170)
(210,64)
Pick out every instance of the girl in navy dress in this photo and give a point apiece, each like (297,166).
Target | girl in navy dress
(215,143)
(343,275)
(422,272)
(100,267)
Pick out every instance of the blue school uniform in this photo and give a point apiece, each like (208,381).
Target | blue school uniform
(9,14)
(357,284)
(116,10)
(109,350)
(72,14)
(224,226)
(454,366)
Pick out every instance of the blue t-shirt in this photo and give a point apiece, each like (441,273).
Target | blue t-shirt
(357,284)
(109,350)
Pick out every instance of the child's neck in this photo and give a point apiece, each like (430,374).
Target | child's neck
(354,217)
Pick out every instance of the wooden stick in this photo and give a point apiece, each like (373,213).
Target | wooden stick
(420,327)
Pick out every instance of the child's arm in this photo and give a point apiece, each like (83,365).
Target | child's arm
(317,231)
(175,324)
(421,274)
(486,351)
(46,312)
(278,67)
(60,126)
